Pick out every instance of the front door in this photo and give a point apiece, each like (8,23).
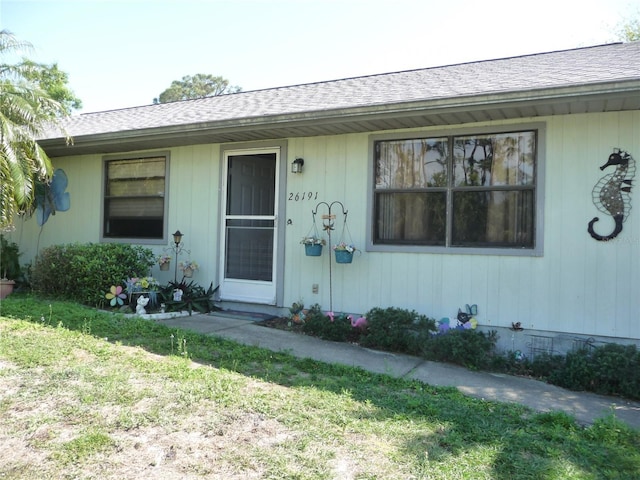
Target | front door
(249,226)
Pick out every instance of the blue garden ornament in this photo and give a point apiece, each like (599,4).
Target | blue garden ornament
(443,325)
(52,198)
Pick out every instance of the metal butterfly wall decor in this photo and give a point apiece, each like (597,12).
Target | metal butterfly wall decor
(51,197)
(470,311)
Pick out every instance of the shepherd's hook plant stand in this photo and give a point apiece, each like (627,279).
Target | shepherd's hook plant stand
(328,225)
(177,248)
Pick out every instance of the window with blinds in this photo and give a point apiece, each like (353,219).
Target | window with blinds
(134,198)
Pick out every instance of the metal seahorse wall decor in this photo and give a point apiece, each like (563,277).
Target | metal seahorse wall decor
(612,193)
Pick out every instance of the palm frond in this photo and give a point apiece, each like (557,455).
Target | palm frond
(25,112)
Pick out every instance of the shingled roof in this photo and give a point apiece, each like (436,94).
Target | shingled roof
(599,78)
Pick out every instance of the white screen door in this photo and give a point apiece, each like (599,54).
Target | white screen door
(249,226)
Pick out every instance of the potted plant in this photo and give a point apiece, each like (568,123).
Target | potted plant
(9,266)
(188,267)
(312,246)
(344,252)
(164,261)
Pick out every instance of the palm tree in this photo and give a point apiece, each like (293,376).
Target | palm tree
(25,109)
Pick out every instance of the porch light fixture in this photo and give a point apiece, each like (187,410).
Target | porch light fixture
(177,237)
(296,166)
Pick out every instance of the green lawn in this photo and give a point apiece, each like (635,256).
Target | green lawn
(84,394)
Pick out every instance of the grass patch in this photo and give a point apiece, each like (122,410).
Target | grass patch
(91,395)
(82,447)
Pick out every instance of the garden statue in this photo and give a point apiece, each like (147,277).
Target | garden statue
(360,322)
(142,302)
(177,295)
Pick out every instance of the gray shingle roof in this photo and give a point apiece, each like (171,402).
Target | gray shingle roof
(582,67)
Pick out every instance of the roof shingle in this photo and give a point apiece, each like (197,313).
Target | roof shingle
(568,68)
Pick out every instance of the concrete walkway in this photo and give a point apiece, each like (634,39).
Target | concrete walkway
(585,407)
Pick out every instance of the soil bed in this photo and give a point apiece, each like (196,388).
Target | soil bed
(282,323)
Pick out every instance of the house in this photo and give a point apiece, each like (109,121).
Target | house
(463,184)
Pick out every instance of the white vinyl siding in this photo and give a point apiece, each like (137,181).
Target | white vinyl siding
(575,286)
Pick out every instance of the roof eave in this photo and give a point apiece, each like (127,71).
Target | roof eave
(612,96)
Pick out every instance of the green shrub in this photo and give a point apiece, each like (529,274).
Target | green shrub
(397,330)
(9,259)
(511,362)
(469,348)
(544,365)
(611,369)
(84,272)
(575,372)
(617,370)
(318,324)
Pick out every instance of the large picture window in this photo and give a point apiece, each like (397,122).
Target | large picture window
(466,191)
(134,198)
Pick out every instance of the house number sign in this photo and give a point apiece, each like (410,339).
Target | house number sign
(302,196)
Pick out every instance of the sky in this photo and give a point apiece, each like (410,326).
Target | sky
(121,54)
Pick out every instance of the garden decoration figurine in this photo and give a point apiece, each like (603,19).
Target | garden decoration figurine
(519,357)
(142,302)
(51,197)
(177,295)
(360,322)
(443,325)
(298,313)
(116,296)
(148,286)
(466,319)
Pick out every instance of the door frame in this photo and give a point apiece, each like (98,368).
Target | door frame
(280,222)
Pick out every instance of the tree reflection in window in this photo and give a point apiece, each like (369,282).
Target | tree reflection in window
(456,191)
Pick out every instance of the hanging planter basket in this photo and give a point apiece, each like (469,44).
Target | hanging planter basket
(312,242)
(343,256)
(164,266)
(187,272)
(313,250)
